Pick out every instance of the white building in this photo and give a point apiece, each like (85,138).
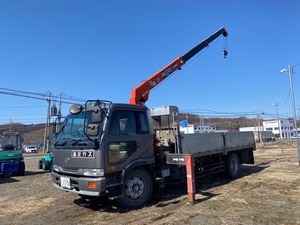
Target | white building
(286,128)
(204,129)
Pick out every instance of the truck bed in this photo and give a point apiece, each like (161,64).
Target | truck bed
(202,144)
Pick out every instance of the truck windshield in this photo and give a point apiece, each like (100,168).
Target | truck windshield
(73,129)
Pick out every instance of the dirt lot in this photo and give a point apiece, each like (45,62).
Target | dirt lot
(266,193)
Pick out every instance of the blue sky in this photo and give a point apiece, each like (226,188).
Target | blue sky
(102,49)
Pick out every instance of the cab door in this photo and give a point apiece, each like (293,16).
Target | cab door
(128,138)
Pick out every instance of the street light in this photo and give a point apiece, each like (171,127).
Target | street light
(290,71)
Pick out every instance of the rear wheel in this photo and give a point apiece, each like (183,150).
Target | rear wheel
(232,166)
(137,189)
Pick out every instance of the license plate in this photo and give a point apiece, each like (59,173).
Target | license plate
(65,182)
(82,154)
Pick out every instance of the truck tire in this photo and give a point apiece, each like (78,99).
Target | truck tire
(137,189)
(21,169)
(232,166)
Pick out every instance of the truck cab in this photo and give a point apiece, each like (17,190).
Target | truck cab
(102,145)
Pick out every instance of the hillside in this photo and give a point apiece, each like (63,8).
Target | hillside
(31,134)
(34,133)
(230,124)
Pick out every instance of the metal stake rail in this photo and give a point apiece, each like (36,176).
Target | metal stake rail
(188,161)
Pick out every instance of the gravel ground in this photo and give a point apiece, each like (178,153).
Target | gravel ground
(265,193)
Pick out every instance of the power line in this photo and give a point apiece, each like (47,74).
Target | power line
(20,107)
(25,92)
(47,96)
(21,95)
(43,96)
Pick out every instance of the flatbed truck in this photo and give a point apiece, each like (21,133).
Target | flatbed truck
(123,151)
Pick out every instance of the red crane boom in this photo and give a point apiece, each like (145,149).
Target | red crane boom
(140,94)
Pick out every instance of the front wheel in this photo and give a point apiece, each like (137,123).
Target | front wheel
(232,166)
(137,189)
(21,169)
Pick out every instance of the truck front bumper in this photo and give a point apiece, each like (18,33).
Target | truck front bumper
(87,186)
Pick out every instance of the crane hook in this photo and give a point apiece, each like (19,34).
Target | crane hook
(225,53)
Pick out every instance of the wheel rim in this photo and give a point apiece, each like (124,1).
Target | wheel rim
(234,165)
(135,188)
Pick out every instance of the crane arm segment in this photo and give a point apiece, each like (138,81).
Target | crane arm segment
(140,94)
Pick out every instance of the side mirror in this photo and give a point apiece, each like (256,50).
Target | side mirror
(76,108)
(92,129)
(96,116)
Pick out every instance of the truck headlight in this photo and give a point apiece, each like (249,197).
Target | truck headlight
(56,168)
(93,172)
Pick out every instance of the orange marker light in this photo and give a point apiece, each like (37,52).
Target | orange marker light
(111,168)
(92,184)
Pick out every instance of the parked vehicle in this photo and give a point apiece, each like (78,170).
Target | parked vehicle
(11,157)
(45,163)
(31,149)
(123,151)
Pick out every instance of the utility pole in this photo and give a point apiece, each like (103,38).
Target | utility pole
(258,122)
(47,126)
(59,115)
(187,121)
(290,71)
(201,120)
(279,125)
(262,127)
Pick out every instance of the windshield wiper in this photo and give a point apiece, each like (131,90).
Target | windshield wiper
(61,142)
(80,142)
